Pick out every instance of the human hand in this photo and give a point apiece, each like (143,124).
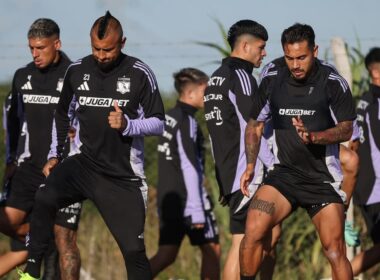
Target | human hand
(49,166)
(246,179)
(301,129)
(116,118)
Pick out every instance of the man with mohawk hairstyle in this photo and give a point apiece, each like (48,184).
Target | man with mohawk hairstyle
(117,102)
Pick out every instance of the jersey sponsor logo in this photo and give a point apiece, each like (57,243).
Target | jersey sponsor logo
(84,86)
(123,85)
(101,102)
(296,112)
(28,84)
(164,148)
(169,121)
(40,99)
(212,96)
(59,84)
(362,104)
(216,81)
(167,135)
(216,114)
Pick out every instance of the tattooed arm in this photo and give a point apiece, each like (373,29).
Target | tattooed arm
(340,133)
(253,133)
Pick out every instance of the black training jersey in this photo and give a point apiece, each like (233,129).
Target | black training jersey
(181,165)
(321,101)
(228,101)
(92,93)
(367,190)
(35,95)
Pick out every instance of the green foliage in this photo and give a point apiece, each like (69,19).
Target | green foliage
(223,50)
(360,78)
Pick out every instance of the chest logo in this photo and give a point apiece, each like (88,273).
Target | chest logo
(59,85)
(84,86)
(28,84)
(123,85)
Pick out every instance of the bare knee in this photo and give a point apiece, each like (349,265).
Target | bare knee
(335,251)
(255,232)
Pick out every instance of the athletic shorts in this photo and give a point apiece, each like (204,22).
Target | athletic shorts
(311,196)
(238,205)
(172,231)
(371,214)
(20,191)
(17,245)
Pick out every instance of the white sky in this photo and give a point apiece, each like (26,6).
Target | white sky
(162,32)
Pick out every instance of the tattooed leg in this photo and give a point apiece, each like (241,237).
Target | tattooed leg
(69,255)
(263,206)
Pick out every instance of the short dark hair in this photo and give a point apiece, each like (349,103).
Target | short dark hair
(243,27)
(373,56)
(43,28)
(103,24)
(188,75)
(297,33)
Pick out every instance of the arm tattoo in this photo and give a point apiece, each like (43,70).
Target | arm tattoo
(340,133)
(253,134)
(263,206)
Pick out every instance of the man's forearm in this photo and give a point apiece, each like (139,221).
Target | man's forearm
(253,134)
(340,133)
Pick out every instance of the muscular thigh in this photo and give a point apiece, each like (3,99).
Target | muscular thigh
(122,205)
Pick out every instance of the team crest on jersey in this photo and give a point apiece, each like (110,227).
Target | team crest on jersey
(59,84)
(123,85)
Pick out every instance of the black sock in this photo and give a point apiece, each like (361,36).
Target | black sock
(33,267)
(242,277)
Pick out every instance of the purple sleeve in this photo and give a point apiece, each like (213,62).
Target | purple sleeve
(144,127)
(192,178)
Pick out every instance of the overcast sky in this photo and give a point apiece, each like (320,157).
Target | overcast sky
(162,32)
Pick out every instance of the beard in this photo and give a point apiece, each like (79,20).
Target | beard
(106,66)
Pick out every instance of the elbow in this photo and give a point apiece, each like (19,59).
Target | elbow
(160,127)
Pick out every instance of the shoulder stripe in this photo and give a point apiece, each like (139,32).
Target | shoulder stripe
(244,81)
(266,70)
(325,63)
(148,72)
(343,83)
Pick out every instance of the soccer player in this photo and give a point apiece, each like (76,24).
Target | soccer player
(367,190)
(34,97)
(117,102)
(312,111)
(228,100)
(184,206)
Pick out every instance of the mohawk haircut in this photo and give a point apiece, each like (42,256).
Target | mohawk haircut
(104,23)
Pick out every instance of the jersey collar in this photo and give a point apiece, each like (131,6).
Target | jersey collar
(186,108)
(236,62)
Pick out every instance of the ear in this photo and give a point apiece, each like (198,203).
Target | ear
(57,44)
(123,42)
(315,51)
(374,73)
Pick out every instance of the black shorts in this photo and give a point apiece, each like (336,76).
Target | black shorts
(371,214)
(172,231)
(17,245)
(301,193)
(238,205)
(19,193)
